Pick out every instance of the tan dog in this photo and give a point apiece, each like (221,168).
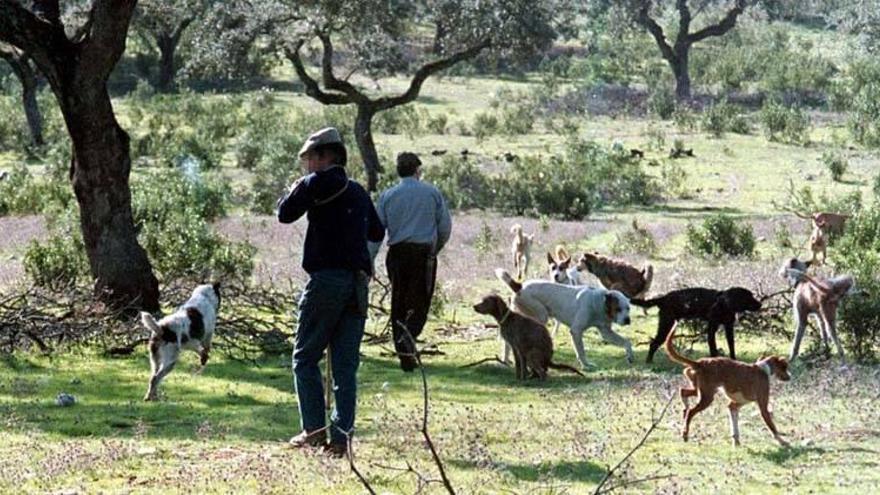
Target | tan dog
(530,341)
(830,223)
(617,274)
(813,296)
(741,382)
(818,244)
(521,249)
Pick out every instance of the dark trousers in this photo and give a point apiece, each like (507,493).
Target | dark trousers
(333,310)
(412,269)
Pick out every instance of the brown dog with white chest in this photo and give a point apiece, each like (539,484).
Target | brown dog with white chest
(529,339)
(617,274)
(741,382)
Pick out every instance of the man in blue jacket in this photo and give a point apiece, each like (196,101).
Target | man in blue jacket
(333,306)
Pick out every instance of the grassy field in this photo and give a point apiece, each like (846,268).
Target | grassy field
(224,431)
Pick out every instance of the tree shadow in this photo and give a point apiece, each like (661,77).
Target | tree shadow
(574,471)
(782,455)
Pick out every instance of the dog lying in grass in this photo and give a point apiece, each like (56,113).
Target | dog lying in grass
(617,274)
(716,307)
(741,382)
(191,327)
(530,341)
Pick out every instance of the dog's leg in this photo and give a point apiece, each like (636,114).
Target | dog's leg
(768,420)
(686,393)
(577,340)
(612,337)
(505,351)
(165,368)
(733,412)
(800,318)
(705,401)
(520,364)
(728,334)
(663,328)
(711,330)
(830,322)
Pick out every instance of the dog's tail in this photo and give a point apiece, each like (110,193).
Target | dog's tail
(648,275)
(564,367)
(151,323)
(561,253)
(505,277)
(673,354)
(646,303)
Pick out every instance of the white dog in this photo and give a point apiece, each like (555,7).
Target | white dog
(578,307)
(190,327)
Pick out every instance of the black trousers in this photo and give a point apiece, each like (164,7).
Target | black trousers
(412,269)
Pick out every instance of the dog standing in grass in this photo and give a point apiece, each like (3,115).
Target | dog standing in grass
(521,249)
(191,327)
(741,382)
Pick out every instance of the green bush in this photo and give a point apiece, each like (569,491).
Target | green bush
(60,259)
(724,117)
(876,187)
(661,101)
(836,164)
(517,119)
(781,123)
(403,119)
(436,124)
(636,240)
(23,193)
(461,181)
(720,235)
(858,254)
(485,124)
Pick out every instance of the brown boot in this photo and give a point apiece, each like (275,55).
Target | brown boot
(304,439)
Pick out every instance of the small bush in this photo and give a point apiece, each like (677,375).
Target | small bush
(661,102)
(23,193)
(781,123)
(674,179)
(402,119)
(724,117)
(876,187)
(436,124)
(858,254)
(517,119)
(60,259)
(684,119)
(462,183)
(485,124)
(836,164)
(720,235)
(636,240)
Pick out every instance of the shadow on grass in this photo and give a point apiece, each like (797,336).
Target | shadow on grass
(574,471)
(782,455)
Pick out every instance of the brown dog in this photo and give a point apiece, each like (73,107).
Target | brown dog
(530,341)
(617,274)
(741,382)
(830,223)
(818,244)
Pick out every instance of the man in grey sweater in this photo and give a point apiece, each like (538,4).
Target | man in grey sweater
(418,223)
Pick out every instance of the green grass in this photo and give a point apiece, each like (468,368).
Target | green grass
(223,430)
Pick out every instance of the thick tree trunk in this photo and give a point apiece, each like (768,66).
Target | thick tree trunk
(364,137)
(681,70)
(167,46)
(100,171)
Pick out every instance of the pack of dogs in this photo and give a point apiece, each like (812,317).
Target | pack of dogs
(568,298)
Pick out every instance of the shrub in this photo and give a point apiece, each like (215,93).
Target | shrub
(22,193)
(720,235)
(436,124)
(462,183)
(485,124)
(402,119)
(60,259)
(661,102)
(674,179)
(634,240)
(517,119)
(858,254)
(836,163)
(785,124)
(876,187)
(724,117)
(864,118)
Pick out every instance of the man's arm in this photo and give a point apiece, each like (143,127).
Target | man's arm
(444,222)
(295,203)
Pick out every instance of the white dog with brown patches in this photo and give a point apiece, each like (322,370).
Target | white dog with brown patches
(578,307)
(191,327)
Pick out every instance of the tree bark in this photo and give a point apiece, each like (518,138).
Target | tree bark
(21,66)
(363,135)
(167,46)
(77,71)
(680,68)
(100,170)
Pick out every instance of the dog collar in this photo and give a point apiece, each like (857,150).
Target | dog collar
(504,318)
(766,368)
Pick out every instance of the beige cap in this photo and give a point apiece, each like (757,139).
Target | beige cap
(327,135)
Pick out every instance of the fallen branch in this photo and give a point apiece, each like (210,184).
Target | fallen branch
(610,473)
(485,360)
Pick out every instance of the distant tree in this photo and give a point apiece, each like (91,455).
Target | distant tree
(21,66)
(77,67)
(676,51)
(162,23)
(381,38)
(861,17)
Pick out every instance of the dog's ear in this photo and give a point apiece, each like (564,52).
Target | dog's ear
(550,259)
(612,306)
(150,322)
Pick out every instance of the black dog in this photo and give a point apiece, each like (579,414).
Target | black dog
(717,307)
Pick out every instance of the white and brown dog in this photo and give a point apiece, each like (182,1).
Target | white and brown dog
(562,268)
(579,308)
(191,327)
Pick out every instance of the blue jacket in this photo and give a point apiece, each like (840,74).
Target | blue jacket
(341,220)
